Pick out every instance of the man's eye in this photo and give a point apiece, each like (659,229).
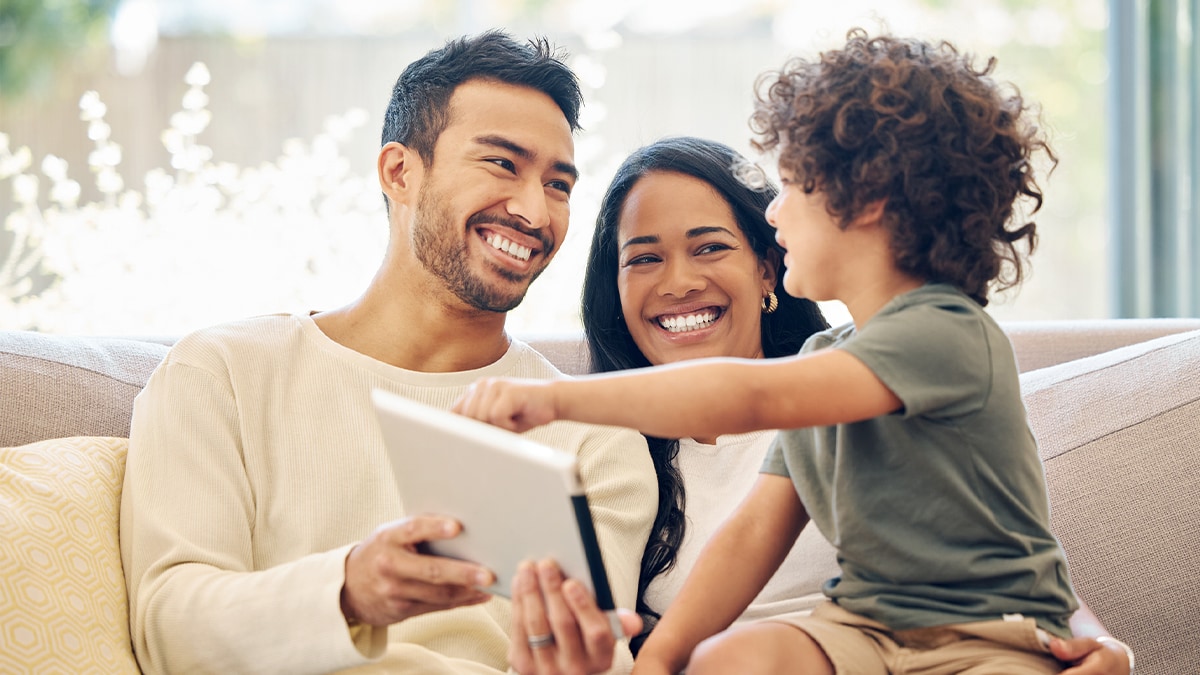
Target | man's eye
(561,185)
(505,164)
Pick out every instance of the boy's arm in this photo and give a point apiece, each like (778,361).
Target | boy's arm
(732,569)
(701,398)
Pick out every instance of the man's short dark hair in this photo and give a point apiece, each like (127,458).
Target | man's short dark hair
(419,108)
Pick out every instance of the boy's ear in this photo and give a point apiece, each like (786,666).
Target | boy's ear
(870,214)
(400,169)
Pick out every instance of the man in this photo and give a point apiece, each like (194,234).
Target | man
(259,527)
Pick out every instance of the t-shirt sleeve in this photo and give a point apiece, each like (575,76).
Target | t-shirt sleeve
(934,357)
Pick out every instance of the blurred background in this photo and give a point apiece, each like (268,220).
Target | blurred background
(169,164)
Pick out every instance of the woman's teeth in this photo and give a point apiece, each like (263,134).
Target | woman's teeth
(689,322)
(515,250)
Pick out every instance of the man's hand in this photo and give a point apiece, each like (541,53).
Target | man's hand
(1090,657)
(388,580)
(546,604)
(513,404)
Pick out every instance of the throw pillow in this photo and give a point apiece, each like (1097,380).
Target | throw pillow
(62,590)
(1118,433)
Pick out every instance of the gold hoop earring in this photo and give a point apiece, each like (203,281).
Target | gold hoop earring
(770,303)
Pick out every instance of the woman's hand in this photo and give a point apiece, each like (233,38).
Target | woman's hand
(513,404)
(1089,656)
(570,633)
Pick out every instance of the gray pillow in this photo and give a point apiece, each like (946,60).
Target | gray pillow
(1119,434)
(52,386)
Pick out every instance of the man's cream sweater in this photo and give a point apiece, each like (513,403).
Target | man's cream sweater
(256,462)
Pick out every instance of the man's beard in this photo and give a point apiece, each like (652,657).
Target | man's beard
(446,255)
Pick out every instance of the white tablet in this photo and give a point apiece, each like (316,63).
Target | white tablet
(516,499)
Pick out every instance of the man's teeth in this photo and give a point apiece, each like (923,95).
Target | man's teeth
(512,248)
(689,322)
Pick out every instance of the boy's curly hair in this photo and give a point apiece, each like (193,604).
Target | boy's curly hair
(916,125)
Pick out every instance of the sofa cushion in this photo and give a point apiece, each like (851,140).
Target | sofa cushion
(62,591)
(1119,434)
(55,385)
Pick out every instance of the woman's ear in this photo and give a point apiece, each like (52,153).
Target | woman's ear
(769,266)
(399,169)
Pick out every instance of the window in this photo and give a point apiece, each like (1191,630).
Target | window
(224,165)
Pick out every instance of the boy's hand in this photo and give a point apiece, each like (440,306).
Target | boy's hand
(516,405)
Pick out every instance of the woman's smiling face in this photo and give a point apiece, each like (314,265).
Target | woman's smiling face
(690,284)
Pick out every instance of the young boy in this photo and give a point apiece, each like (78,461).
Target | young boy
(905,435)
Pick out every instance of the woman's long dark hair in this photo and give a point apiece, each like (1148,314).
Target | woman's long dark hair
(610,345)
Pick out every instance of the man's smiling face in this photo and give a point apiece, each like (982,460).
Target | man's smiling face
(494,204)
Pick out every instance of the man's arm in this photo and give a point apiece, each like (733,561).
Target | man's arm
(1089,655)
(702,398)
(199,601)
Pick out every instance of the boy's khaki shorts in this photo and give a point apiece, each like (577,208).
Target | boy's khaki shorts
(857,645)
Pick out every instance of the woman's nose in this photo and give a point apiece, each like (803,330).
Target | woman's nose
(680,278)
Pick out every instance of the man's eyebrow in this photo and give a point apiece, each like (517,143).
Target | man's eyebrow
(525,153)
(644,239)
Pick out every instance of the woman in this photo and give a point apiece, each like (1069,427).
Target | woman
(683,265)
(680,235)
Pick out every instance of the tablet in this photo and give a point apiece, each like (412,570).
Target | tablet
(516,499)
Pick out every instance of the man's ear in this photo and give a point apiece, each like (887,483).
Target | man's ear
(400,169)
(769,266)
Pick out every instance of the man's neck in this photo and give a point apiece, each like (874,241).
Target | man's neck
(417,331)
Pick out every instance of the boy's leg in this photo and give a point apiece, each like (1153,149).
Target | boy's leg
(822,642)
(766,647)
(980,648)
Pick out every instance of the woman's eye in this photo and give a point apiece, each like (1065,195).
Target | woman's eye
(642,260)
(713,248)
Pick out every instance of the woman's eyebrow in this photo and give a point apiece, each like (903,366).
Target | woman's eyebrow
(708,229)
(644,239)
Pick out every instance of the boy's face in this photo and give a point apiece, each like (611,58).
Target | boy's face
(493,207)
(811,236)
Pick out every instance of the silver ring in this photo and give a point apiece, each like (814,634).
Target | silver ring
(540,641)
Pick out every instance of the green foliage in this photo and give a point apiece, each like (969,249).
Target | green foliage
(38,36)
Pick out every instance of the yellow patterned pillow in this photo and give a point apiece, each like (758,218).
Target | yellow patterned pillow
(62,591)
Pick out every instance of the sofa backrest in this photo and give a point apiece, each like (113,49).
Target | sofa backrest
(53,386)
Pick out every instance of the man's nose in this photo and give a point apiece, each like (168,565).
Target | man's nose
(529,204)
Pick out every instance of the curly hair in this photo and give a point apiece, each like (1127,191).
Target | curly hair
(917,126)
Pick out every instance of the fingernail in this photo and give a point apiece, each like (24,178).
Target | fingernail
(575,591)
(484,578)
(450,528)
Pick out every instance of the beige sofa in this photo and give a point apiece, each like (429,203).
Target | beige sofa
(1114,404)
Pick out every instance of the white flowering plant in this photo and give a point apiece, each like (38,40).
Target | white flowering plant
(201,242)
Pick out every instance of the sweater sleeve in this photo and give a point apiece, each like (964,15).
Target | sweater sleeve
(197,604)
(622,494)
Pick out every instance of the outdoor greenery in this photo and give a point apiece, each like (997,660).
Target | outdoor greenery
(40,37)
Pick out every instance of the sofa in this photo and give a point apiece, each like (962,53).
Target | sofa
(1114,404)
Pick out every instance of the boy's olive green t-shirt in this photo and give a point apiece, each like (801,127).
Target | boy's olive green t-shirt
(939,512)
